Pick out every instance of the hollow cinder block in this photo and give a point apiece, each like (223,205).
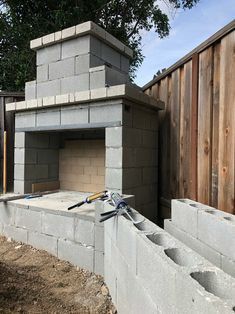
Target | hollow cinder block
(77,254)
(49,88)
(26,119)
(84,232)
(198,246)
(48,118)
(75,83)
(42,73)
(74,115)
(28,219)
(43,242)
(58,226)
(49,54)
(75,47)
(62,68)
(217,232)
(18,234)
(85,62)
(30,90)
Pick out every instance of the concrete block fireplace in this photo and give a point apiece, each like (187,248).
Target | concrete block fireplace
(83,124)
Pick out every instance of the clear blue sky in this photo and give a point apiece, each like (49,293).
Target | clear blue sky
(188,29)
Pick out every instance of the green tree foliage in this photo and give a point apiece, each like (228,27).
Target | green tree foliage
(23,20)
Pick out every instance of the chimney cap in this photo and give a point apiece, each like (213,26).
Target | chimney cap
(78,31)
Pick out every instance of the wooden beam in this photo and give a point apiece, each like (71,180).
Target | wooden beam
(45,186)
(5,163)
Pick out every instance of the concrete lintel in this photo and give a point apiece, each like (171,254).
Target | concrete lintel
(70,127)
(78,31)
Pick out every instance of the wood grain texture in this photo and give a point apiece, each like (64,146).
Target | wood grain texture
(226,185)
(175,135)
(215,128)
(45,186)
(204,126)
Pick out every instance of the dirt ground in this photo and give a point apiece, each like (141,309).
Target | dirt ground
(33,281)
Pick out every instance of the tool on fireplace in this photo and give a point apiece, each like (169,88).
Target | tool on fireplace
(121,208)
(101,195)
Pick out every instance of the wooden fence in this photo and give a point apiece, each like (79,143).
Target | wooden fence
(197,127)
(7,124)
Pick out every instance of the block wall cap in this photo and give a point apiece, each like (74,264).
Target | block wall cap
(106,93)
(81,30)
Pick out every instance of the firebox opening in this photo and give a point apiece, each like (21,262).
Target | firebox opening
(72,160)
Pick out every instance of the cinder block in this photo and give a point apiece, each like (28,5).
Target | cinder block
(25,120)
(37,140)
(62,99)
(198,246)
(184,216)
(150,138)
(111,113)
(19,172)
(19,186)
(19,156)
(43,242)
(99,263)
(7,214)
(30,156)
(74,115)
(99,238)
(42,73)
(114,137)
(49,54)
(75,83)
(228,265)
(18,234)
(19,139)
(98,79)
(125,64)
(75,47)
(85,62)
(217,232)
(53,171)
(84,232)
(98,93)
(150,175)
(33,103)
(30,90)
(77,254)
(48,118)
(21,105)
(63,68)
(114,157)
(28,219)
(132,177)
(49,88)
(110,55)
(11,106)
(96,46)
(113,178)
(58,35)
(58,226)
(47,156)
(127,248)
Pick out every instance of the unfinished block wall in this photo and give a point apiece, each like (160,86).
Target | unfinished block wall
(208,231)
(148,271)
(82,165)
(36,159)
(78,64)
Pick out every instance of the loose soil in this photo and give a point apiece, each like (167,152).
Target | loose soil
(33,281)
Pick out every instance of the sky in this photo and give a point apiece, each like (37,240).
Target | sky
(189,28)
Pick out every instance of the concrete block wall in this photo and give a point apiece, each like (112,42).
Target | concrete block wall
(67,235)
(82,165)
(208,231)
(148,271)
(64,67)
(36,159)
(131,158)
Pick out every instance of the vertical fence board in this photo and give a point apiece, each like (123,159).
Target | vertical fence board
(226,125)
(204,125)
(175,135)
(215,128)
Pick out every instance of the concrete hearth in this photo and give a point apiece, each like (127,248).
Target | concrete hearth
(82,94)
